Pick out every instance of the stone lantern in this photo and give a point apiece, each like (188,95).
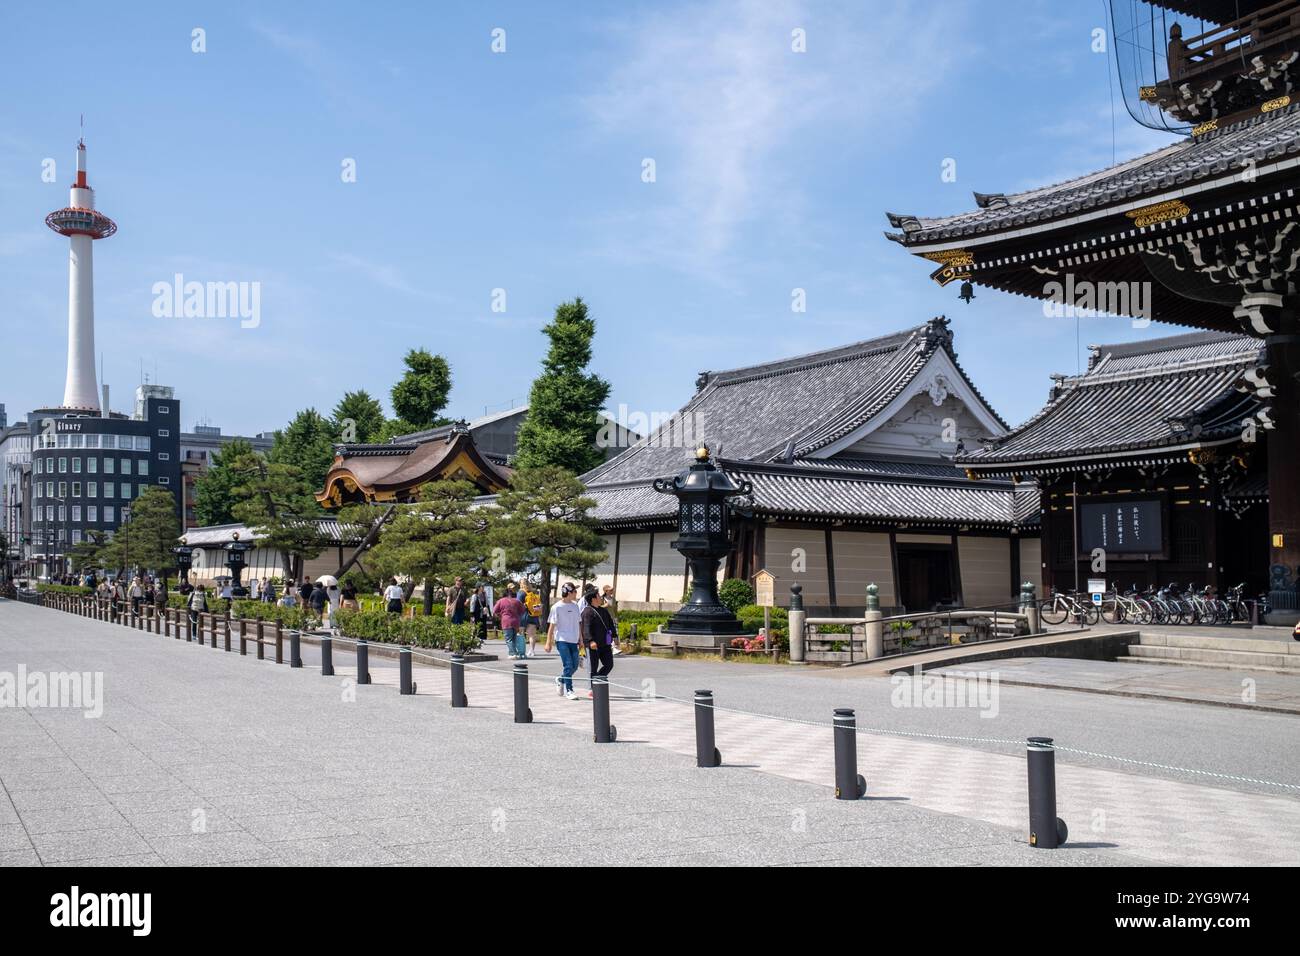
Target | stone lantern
(184,561)
(236,558)
(703,538)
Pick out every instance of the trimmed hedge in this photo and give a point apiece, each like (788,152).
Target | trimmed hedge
(292,618)
(62,589)
(433,631)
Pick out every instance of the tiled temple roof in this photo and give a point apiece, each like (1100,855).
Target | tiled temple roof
(1125,402)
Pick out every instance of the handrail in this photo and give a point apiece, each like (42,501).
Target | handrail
(1200,53)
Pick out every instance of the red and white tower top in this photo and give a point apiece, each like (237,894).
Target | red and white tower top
(79,217)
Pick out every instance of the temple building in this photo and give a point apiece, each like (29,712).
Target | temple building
(1143,457)
(1203,233)
(849,454)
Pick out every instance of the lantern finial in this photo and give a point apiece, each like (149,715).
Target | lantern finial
(702,453)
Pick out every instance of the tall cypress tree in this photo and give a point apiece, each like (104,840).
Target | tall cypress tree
(566,399)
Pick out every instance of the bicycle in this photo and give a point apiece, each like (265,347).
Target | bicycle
(1062,606)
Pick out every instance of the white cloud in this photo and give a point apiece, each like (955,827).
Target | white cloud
(717,97)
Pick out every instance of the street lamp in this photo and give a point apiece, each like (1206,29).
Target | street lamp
(184,561)
(703,537)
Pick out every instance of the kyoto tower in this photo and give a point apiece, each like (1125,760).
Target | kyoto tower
(82,225)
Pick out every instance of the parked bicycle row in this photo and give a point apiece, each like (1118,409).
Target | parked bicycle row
(1172,604)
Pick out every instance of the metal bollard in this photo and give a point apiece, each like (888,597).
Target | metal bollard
(523,713)
(606,733)
(849,784)
(1047,831)
(326,657)
(458,698)
(706,752)
(363,662)
(404,683)
(295,649)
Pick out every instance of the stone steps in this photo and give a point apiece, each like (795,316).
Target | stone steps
(1172,662)
(1227,653)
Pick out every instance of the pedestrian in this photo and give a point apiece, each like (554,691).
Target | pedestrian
(227,589)
(332,593)
(196,605)
(288,598)
(394,597)
(318,601)
(137,595)
(611,606)
(533,603)
(268,591)
(304,593)
(456,600)
(480,613)
(562,628)
(350,596)
(119,597)
(598,635)
(511,611)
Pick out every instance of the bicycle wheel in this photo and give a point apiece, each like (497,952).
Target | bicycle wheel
(1113,611)
(1052,612)
(1090,613)
(1145,613)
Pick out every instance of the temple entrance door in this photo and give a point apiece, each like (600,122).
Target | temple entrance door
(925,575)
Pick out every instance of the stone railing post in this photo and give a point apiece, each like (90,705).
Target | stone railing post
(874,624)
(797,627)
(1029,605)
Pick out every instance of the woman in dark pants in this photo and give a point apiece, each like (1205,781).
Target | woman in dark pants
(598,634)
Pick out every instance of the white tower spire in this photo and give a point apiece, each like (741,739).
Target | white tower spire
(82,225)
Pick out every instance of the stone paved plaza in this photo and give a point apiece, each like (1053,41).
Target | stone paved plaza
(203,757)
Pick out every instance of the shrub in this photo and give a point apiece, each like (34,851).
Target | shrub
(735,593)
(62,589)
(433,631)
(290,617)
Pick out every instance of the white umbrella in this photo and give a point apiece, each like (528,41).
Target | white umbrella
(328,580)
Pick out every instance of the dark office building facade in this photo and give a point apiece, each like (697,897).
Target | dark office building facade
(87,469)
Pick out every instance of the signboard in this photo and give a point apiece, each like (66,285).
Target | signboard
(1122,525)
(765,589)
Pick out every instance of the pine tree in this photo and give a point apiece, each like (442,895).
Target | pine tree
(565,403)
(145,540)
(364,413)
(276,502)
(306,444)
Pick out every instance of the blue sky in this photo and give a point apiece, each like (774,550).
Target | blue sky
(522,171)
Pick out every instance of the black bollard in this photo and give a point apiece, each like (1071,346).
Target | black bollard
(326,657)
(606,733)
(295,647)
(1047,831)
(849,784)
(523,713)
(458,698)
(363,662)
(404,683)
(706,752)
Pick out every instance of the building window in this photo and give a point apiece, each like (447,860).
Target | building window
(164,409)
(142,466)
(92,489)
(76,489)
(142,443)
(164,433)
(40,466)
(164,481)
(63,440)
(108,514)
(76,440)
(92,441)
(109,441)
(76,512)
(49,489)
(63,489)
(109,464)
(63,465)
(164,456)
(92,512)
(76,466)
(62,513)
(92,465)
(139,490)
(108,489)
(126,466)
(76,536)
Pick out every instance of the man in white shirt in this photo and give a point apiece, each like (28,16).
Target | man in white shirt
(562,633)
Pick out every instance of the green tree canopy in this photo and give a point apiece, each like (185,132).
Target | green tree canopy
(565,402)
(276,501)
(544,521)
(365,414)
(432,539)
(214,492)
(307,445)
(145,540)
(421,394)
